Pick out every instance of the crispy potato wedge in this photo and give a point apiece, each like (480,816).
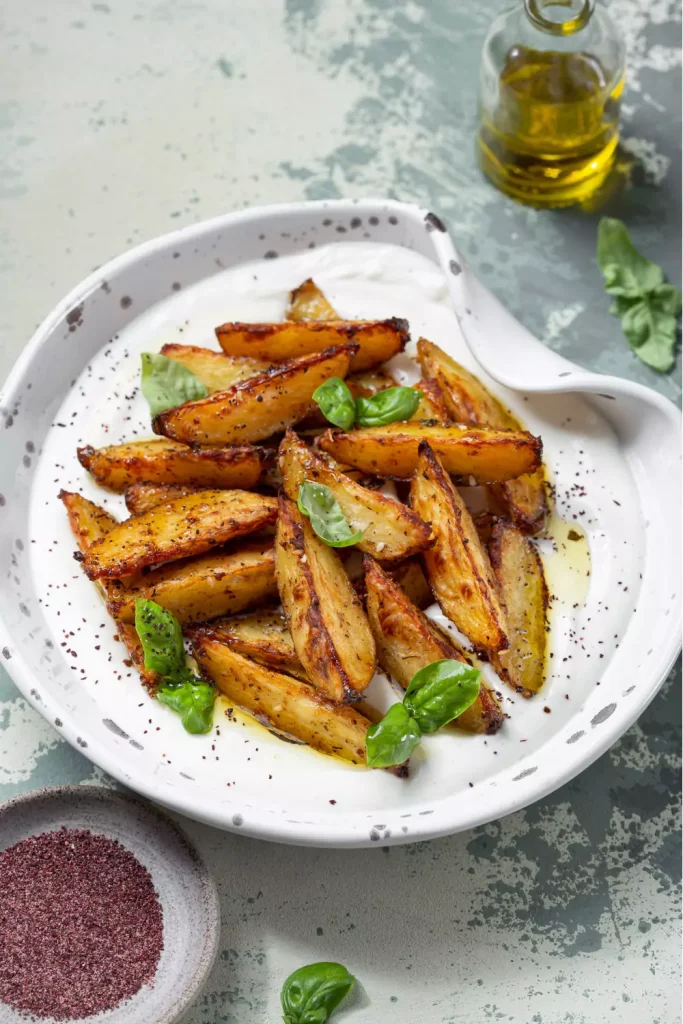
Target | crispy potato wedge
(329,628)
(90,523)
(287,704)
(187,526)
(368,383)
(377,340)
(166,462)
(214,369)
(457,565)
(202,588)
(391,531)
(479,452)
(432,407)
(263,636)
(407,641)
(142,497)
(413,582)
(258,407)
(519,572)
(468,401)
(307,302)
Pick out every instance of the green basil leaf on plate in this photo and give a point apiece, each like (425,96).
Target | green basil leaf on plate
(327,519)
(193,701)
(161,638)
(166,383)
(393,405)
(336,403)
(312,993)
(440,692)
(392,740)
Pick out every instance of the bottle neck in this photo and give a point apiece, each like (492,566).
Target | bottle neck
(559,17)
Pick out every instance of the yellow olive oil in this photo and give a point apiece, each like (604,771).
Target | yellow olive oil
(550,138)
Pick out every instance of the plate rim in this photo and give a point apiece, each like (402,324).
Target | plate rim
(260,823)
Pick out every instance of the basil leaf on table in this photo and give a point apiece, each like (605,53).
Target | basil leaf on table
(440,692)
(389,406)
(312,993)
(161,638)
(166,383)
(327,519)
(164,652)
(392,740)
(193,702)
(647,306)
(336,403)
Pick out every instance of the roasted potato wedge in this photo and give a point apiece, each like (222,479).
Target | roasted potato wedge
(329,628)
(263,636)
(287,704)
(368,383)
(479,452)
(432,407)
(258,407)
(166,462)
(391,531)
(413,582)
(214,369)
(187,526)
(519,572)
(407,641)
(142,497)
(457,565)
(468,401)
(202,588)
(90,523)
(307,302)
(377,340)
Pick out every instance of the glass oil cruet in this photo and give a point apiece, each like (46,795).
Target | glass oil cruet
(552,75)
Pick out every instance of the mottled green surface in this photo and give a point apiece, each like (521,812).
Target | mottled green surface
(123,119)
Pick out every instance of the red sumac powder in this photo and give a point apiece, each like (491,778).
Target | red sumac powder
(80,925)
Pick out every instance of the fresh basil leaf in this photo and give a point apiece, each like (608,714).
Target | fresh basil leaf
(647,306)
(193,701)
(336,403)
(392,405)
(440,692)
(166,383)
(161,638)
(311,994)
(327,519)
(392,740)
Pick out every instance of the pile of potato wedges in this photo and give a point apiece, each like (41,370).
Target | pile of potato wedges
(288,628)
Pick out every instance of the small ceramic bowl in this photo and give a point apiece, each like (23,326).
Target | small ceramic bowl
(186,890)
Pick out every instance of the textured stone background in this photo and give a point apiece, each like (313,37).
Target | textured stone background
(123,119)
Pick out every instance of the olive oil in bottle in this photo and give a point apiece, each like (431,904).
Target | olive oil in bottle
(551,81)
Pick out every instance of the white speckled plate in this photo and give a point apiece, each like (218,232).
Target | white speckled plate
(186,891)
(613,453)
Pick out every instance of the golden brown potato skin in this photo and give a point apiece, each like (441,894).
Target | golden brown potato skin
(432,406)
(214,369)
(263,636)
(377,340)
(187,526)
(197,589)
(457,565)
(391,531)
(89,523)
(329,628)
(258,407)
(289,705)
(308,302)
(520,576)
(142,497)
(161,461)
(468,401)
(407,641)
(392,451)
(411,578)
